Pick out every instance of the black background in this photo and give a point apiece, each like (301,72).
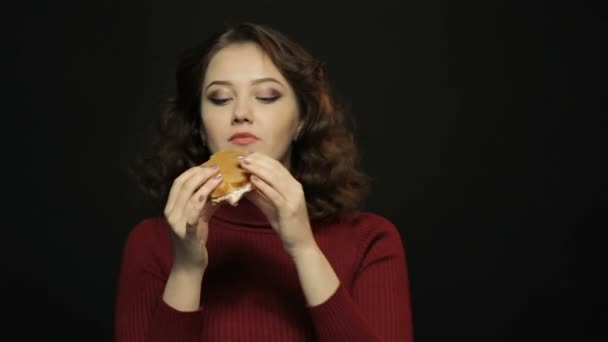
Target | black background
(473,119)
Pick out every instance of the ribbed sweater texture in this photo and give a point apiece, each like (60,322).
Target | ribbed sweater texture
(251,290)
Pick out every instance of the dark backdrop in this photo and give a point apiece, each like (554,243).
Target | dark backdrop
(471,118)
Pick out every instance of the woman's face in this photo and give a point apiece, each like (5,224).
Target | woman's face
(244,92)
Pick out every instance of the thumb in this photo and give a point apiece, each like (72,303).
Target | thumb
(209,210)
(260,200)
(203,231)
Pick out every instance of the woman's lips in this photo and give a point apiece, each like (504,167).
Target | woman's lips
(244,140)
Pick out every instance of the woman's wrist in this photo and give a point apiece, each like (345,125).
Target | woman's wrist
(317,277)
(304,251)
(188,268)
(183,289)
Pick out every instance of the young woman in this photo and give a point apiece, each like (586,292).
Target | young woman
(295,260)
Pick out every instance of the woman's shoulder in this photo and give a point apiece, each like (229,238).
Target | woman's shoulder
(371,225)
(371,234)
(148,247)
(149,234)
(149,228)
(369,220)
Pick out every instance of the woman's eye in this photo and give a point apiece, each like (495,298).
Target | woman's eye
(268,99)
(217,101)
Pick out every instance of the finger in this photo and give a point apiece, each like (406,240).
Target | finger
(176,188)
(203,232)
(268,191)
(281,178)
(260,200)
(268,170)
(191,185)
(265,160)
(199,230)
(209,210)
(198,200)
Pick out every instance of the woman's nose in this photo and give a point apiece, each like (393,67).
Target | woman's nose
(242,112)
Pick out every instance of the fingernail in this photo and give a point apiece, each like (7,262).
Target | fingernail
(248,153)
(243,160)
(218,176)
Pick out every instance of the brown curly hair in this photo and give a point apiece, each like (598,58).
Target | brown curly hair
(324,157)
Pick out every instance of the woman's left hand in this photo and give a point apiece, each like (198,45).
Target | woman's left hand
(281,198)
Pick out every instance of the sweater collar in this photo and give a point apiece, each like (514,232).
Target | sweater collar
(245,213)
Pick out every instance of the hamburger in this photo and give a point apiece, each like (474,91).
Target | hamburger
(235,182)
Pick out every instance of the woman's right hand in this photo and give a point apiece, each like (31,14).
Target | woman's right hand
(188,212)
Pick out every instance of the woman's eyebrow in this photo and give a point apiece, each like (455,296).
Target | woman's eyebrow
(257,81)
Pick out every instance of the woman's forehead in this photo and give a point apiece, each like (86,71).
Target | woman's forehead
(241,63)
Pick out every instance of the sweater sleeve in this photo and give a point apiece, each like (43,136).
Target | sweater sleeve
(378,306)
(140,312)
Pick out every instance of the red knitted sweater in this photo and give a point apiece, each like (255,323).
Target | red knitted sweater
(251,290)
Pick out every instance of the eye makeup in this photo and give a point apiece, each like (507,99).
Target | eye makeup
(266,96)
